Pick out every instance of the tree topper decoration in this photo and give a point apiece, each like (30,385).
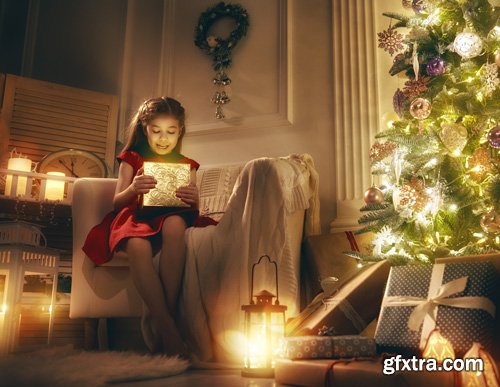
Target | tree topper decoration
(220,49)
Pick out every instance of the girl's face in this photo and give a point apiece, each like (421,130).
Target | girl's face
(163,133)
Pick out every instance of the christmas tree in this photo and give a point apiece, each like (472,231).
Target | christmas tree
(437,164)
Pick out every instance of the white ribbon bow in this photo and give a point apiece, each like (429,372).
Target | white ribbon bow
(428,306)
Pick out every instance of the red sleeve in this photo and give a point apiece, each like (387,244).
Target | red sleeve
(194,164)
(132,158)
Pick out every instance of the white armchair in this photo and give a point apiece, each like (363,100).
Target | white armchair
(261,209)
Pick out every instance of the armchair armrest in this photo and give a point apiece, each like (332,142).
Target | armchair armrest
(92,200)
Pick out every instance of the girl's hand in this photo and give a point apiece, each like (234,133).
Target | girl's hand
(188,194)
(141,183)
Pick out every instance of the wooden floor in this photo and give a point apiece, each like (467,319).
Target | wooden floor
(219,378)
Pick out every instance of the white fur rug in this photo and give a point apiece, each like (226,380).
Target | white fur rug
(64,366)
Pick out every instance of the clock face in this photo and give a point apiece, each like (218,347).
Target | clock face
(74,163)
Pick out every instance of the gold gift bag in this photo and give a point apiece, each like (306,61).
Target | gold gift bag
(169,177)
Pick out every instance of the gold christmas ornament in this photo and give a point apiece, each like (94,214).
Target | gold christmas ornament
(454,137)
(380,151)
(420,108)
(490,222)
(413,195)
(479,163)
(388,119)
(497,58)
(373,195)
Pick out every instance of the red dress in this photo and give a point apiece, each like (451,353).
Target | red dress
(108,235)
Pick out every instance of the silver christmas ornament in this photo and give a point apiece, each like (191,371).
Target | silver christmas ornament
(420,108)
(468,45)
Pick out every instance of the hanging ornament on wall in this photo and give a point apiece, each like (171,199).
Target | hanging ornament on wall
(220,49)
(373,195)
(454,137)
(420,108)
(494,137)
(467,44)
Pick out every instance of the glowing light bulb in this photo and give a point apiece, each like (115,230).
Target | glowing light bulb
(453,207)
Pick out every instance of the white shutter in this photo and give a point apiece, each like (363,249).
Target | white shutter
(43,117)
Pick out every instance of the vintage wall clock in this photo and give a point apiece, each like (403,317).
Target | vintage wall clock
(74,163)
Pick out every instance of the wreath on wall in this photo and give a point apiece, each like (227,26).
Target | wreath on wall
(217,48)
(220,49)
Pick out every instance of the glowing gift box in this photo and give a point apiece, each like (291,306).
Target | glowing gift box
(169,177)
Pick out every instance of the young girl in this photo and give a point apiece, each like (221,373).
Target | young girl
(155,134)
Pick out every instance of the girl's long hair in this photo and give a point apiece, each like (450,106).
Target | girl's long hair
(150,109)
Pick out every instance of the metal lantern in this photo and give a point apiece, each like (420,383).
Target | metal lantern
(264,329)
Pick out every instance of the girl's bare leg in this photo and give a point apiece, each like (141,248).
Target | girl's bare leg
(172,261)
(149,286)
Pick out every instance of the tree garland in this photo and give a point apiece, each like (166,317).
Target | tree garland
(217,48)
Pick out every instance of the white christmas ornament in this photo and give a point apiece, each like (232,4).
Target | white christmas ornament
(468,45)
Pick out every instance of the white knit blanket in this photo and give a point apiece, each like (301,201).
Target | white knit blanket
(220,258)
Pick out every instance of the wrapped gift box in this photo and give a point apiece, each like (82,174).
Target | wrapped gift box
(495,260)
(169,177)
(323,256)
(309,347)
(455,297)
(329,347)
(348,309)
(354,373)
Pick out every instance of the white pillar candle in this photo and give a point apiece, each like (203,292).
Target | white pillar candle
(17,164)
(55,188)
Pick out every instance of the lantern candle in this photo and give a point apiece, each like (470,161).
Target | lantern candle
(55,188)
(17,164)
(264,330)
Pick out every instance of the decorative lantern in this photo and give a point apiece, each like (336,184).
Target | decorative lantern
(264,330)
(489,377)
(438,347)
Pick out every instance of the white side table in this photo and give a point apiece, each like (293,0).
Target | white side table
(22,252)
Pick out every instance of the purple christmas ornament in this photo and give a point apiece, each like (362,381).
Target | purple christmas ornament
(436,66)
(398,102)
(494,137)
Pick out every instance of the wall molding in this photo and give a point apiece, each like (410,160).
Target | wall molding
(283,116)
(355,105)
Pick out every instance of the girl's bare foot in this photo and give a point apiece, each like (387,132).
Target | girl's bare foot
(172,341)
